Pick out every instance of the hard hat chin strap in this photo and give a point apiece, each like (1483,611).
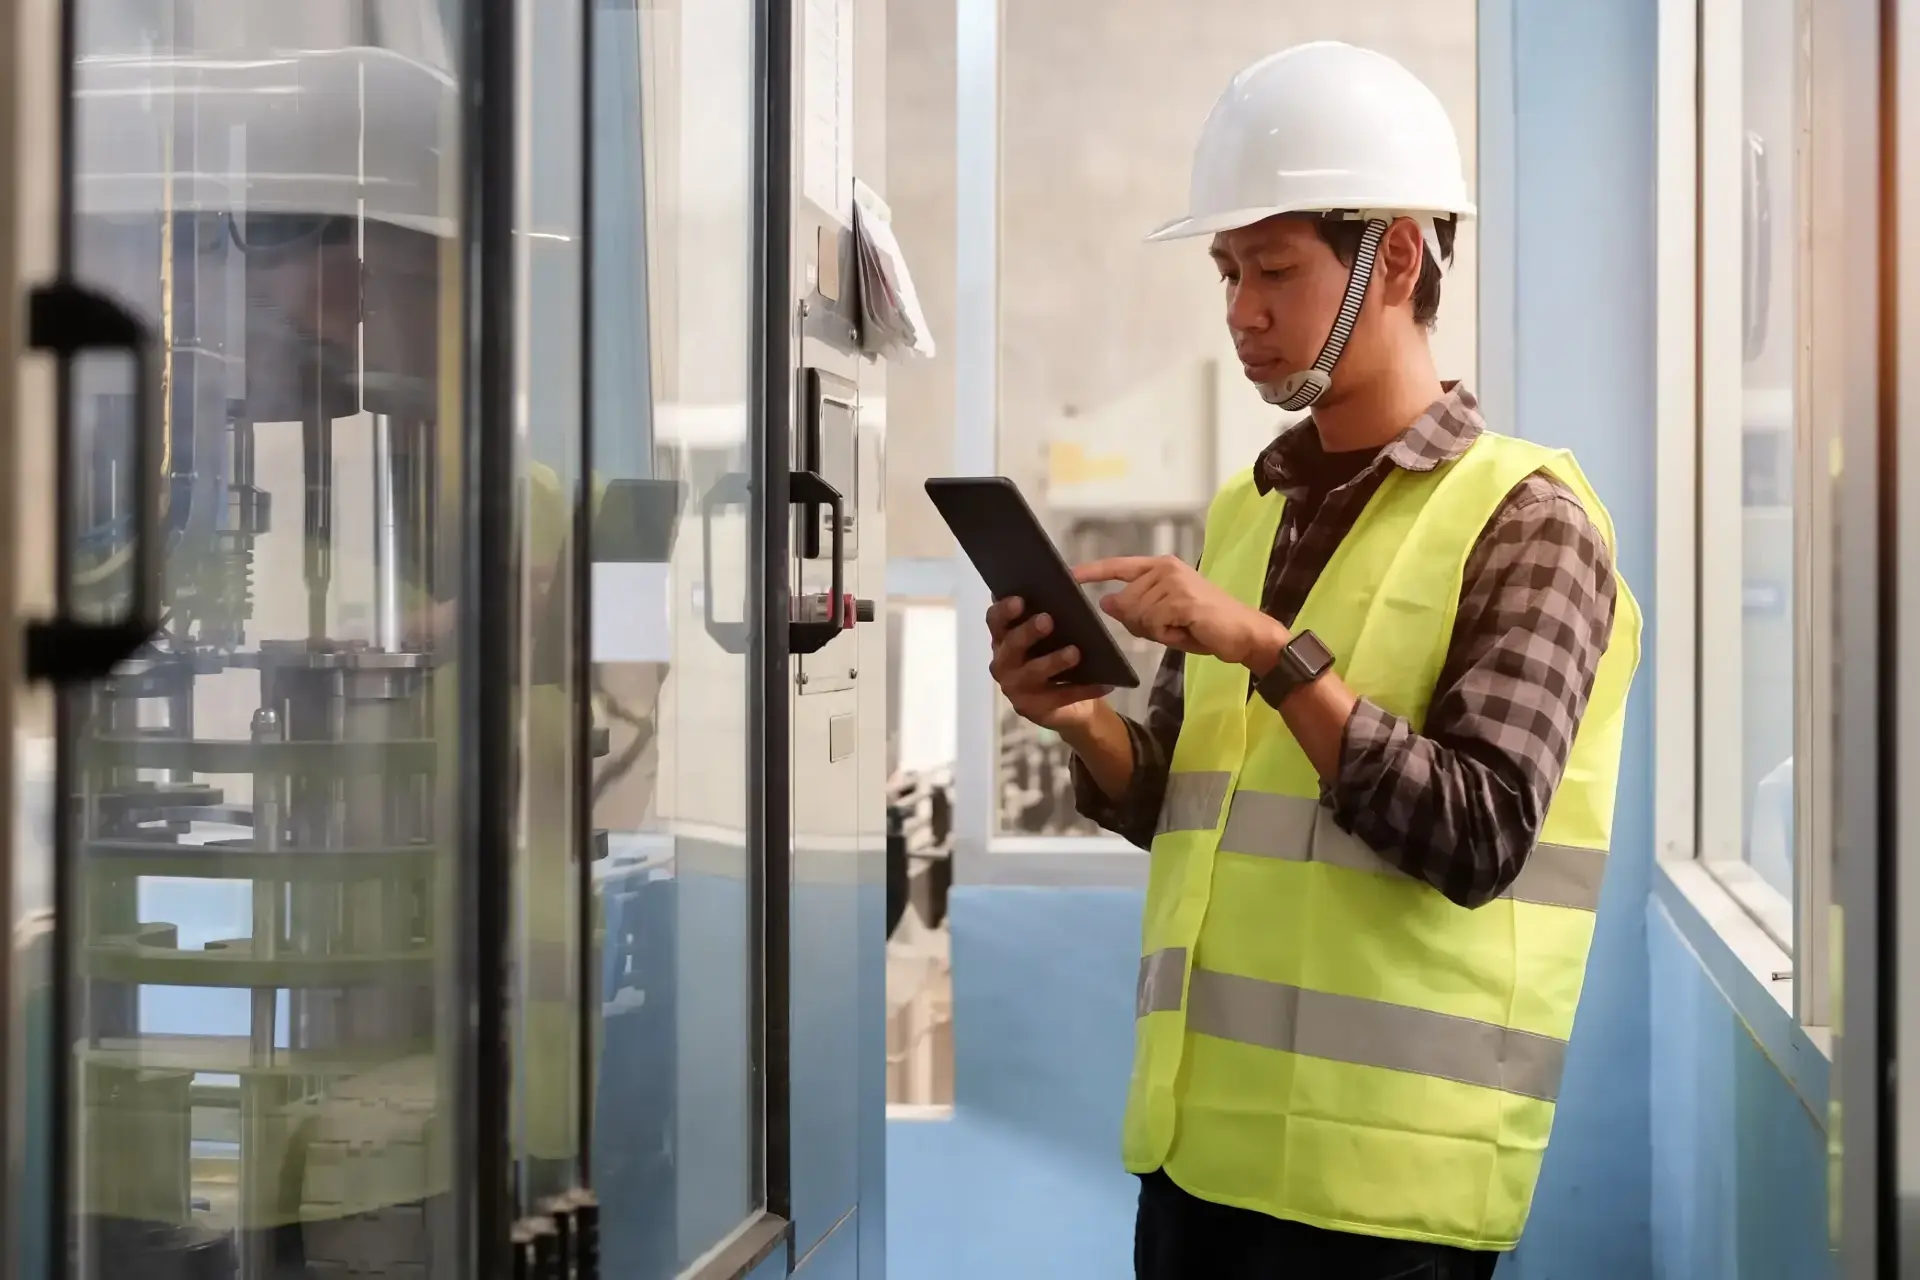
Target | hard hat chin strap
(1300,390)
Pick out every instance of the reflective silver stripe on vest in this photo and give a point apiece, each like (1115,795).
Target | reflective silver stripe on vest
(1192,801)
(1299,829)
(1374,1034)
(1158,990)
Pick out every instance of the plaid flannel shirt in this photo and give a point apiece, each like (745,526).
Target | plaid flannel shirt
(1460,803)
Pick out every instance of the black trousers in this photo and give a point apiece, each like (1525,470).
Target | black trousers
(1177,1236)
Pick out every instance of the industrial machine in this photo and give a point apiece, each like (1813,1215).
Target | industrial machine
(262,794)
(468,856)
(1132,476)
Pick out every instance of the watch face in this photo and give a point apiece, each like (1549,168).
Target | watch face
(1312,656)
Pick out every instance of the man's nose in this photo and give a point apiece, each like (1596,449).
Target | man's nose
(1246,313)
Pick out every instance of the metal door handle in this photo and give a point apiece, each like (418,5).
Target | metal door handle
(811,635)
(1757,248)
(730,490)
(65,319)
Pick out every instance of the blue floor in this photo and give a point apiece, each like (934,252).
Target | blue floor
(1032,1211)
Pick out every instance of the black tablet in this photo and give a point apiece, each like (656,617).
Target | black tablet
(1004,539)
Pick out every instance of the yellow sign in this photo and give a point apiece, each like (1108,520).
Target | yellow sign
(1070,463)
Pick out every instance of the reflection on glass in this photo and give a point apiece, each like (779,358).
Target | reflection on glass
(1767,436)
(676,1137)
(262,843)
(547,377)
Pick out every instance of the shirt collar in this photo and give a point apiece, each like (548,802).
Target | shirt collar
(1441,434)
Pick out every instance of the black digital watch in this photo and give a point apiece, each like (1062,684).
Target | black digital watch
(1302,661)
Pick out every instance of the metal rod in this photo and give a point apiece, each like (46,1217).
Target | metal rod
(387,564)
(267,894)
(258,1169)
(316,439)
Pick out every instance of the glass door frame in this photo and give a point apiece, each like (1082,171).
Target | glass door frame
(1857,149)
(1895,989)
(489,75)
(769,709)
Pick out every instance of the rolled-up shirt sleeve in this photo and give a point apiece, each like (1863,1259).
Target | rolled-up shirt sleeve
(1460,804)
(1135,815)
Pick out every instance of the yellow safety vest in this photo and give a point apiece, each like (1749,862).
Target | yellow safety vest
(1319,1036)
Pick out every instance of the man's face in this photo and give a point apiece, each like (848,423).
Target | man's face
(1283,287)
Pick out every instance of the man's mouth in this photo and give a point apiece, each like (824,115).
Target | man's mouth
(1258,370)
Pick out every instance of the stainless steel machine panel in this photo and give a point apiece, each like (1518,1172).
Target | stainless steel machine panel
(838,693)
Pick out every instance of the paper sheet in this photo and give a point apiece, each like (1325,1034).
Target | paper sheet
(891,317)
(826,125)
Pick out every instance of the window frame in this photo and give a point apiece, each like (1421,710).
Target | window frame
(1698,812)
(983,853)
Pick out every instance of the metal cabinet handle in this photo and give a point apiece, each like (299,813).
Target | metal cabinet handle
(65,319)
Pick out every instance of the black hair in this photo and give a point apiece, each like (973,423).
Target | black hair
(1342,235)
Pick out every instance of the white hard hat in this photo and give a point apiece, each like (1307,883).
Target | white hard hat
(1326,128)
(1319,128)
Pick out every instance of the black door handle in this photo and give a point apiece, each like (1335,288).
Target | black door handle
(65,319)
(811,635)
(730,490)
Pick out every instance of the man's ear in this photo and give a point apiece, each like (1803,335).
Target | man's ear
(1397,267)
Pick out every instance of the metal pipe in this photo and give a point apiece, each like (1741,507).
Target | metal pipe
(387,563)
(316,438)
(258,1098)
(267,894)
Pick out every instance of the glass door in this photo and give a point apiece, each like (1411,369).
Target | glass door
(686,1159)
(261,1061)
(410,869)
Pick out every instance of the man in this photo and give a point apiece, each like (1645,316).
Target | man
(1377,775)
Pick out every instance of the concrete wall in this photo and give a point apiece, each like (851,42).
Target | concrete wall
(1102,102)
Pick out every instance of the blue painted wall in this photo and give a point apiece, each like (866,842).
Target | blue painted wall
(1024,1182)
(1584,77)
(1739,1160)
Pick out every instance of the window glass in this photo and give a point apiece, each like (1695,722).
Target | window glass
(1122,407)
(1754,453)
(1767,454)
